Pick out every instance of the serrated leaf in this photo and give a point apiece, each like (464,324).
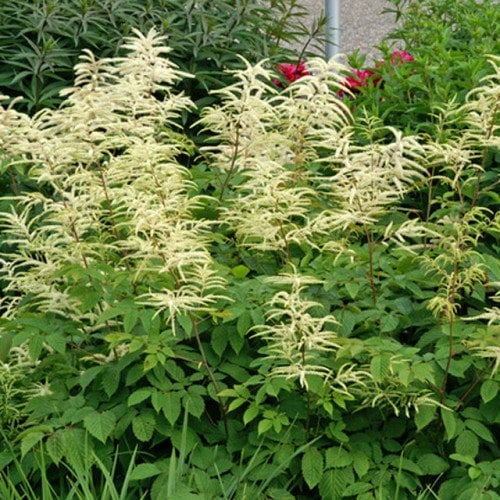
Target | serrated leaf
(111,380)
(194,403)
(338,457)
(450,422)
(424,416)
(100,424)
(130,319)
(357,489)
(462,458)
(29,441)
(144,471)
(352,289)
(219,340)
(480,430)
(360,463)
(379,366)
(312,466)
(243,323)
(489,390)
(467,444)
(139,396)
(264,426)
(250,414)
(55,447)
(143,426)
(171,406)
(334,482)
(432,464)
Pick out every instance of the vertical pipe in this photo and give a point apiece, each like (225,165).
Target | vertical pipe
(332,14)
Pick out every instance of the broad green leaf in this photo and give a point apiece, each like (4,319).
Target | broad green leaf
(338,457)
(389,323)
(489,390)
(219,339)
(143,426)
(424,416)
(100,424)
(244,323)
(357,488)
(55,446)
(379,366)
(194,403)
(171,406)
(264,426)
(312,466)
(450,423)
(111,380)
(467,444)
(250,413)
(360,463)
(432,464)
(144,471)
(139,396)
(130,319)
(352,289)
(29,441)
(480,430)
(240,271)
(334,482)
(462,458)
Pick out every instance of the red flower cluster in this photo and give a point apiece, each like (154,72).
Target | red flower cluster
(365,77)
(359,77)
(292,72)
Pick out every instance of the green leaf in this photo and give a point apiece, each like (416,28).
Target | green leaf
(264,426)
(143,426)
(432,464)
(171,406)
(240,272)
(357,489)
(110,380)
(480,430)
(312,466)
(194,403)
(100,424)
(389,323)
(462,458)
(244,323)
(424,416)
(219,339)
(55,446)
(449,419)
(29,441)
(338,457)
(379,366)
(144,471)
(467,444)
(334,482)
(360,463)
(139,396)
(250,413)
(130,319)
(352,289)
(489,390)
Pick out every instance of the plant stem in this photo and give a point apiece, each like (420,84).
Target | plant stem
(209,371)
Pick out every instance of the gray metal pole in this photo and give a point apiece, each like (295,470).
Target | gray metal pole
(332,14)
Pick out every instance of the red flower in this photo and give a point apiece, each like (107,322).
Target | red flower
(401,56)
(360,78)
(292,72)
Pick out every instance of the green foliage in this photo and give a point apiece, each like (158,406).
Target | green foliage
(41,41)
(309,309)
